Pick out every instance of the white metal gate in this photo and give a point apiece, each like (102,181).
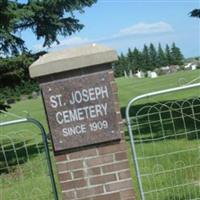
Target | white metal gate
(165,145)
(26,171)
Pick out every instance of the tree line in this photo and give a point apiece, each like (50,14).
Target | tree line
(149,58)
(47,20)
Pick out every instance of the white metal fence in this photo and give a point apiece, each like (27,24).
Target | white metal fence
(165,145)
(25,165)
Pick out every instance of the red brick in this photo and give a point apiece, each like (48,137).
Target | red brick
(111,72)
(117,106)
(121,126)
(111,77)
(124,174)
(113,196)
(115,94)
(65,176)
(68,195)
(119,117)
(74,165)
(112,148)
(103,179)
(83,154)
(114,87)
(61,158)
(89,191)
(62,167)
(115,167)
(99,160)
(73,184)
(94,171)
(119,186)
(78,174)
(121,156)
(125,195)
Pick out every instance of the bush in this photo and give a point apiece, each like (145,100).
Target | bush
(198,66)
(26,88)
(30,97)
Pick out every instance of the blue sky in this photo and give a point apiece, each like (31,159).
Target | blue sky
(129,23)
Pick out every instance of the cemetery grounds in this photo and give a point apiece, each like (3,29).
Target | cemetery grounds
(128,88)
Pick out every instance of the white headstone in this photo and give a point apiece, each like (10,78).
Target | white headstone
(125,74)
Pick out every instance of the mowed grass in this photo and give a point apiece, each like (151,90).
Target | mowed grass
(129,88)
(27,181)
(34,167)
(173,174)
(132,87)
(28,177)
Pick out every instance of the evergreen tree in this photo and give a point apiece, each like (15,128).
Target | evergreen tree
(176,55)
(46,19)
(146,58)
(137,59)
(124,62)
(130,60)
(16,66)
(161,57)
(130,55)
(195,13)
(118,68)
(153,63)
(168,55)
(121,65)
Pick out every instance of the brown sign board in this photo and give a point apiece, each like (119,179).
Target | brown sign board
(81,111)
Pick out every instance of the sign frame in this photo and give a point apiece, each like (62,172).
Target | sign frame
(81,111)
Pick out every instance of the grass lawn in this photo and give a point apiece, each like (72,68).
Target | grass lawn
(128,88)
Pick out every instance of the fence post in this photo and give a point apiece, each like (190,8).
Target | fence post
(82,109)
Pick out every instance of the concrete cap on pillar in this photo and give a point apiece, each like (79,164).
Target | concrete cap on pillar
(73,58)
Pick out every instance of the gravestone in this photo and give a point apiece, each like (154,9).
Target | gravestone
(80,99)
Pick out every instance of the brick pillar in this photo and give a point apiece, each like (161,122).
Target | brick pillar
(100,172)
(80,94)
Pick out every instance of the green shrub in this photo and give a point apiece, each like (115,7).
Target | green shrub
(25,88)
(30,97)
(18,98)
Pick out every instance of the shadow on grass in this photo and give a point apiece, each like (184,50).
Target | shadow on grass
(14,154)
(165,120)
(183,197)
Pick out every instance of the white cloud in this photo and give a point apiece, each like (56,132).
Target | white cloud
(38,47)
(72,41)
(145,28)
(139,29)
(68,42)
